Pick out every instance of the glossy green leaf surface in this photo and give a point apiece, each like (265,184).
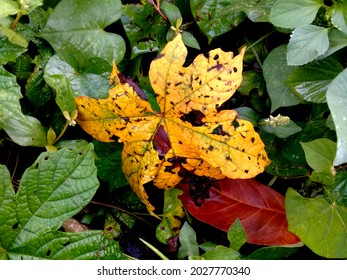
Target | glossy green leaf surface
(75,29)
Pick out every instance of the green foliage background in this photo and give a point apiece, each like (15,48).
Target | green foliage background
(53,51)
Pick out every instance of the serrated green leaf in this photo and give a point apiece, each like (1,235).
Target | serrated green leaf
(8,7)
(311,81)
(68,83)
(57,186)
(68,246)
(276,72)
(215,17)
(172,214)
(23,130)
(321,226)
(337,102)
(320,154)
(307,42)
(75,30)
(294,13)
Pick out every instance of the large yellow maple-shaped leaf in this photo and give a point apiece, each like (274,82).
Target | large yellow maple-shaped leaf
(201,138)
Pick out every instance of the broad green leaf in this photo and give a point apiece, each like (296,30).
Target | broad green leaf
(276,72)
(68,83)
(7,207)
(236,235)
(144,27)
(311,81)
(9,51)
(322,226)
(320,154)
(23,130)
(248,114)
(8,7)
(339,16)
(57,186)
(294,13)
(189,247)
(252,81)
(68,246)
(75,31)
(172,214)
(307,42)
(337,102)
(215,17)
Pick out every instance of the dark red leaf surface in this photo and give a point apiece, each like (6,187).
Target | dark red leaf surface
(259,208)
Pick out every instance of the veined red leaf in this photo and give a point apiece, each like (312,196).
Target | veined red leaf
(259,208)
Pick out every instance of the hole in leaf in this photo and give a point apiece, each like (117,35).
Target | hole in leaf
(194,118)
(66,243)
(219,131)
(15,226)
(46,158)
(216,57)
(48,253)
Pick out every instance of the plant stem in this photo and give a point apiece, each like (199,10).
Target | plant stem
(61,133)
(14,24)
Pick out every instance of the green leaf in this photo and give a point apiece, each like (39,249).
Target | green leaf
(145,28)
(75,30)
(337,102)
(281,131)
(276,72)
(339,190)
(14,37)
(320,154)
(248,114)
(68,83)
(8,7)
(9,51)
(109,163)
(294,13)
(56,187)
(189,247)
(23,130)
(321,226)
(172,214)
(271,253)
(236,235)
(7,207)
(215,17)
(339,16)
(69,246)
(251,80)
(311,81)
(307,42)
(172,12)
(337,39)
(28,6)
(221,253)
(189,40)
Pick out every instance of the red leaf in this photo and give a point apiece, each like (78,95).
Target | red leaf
(259,208)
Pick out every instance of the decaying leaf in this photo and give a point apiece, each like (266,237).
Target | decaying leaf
(197,136)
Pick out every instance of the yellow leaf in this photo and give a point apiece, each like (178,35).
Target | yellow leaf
(201,139)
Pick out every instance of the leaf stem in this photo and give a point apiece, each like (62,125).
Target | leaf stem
(14,24)
(62,132)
